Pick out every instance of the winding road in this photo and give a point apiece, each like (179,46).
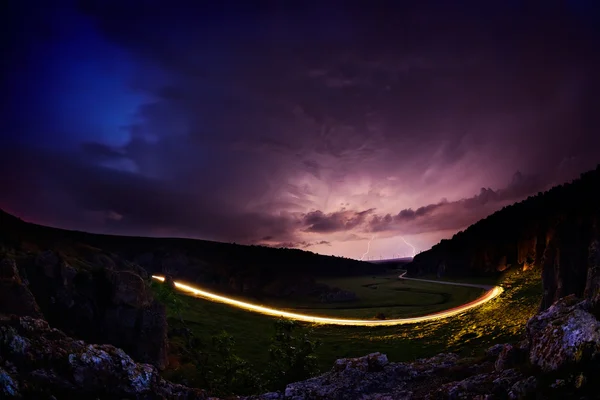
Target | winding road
(491,292)
(475,285)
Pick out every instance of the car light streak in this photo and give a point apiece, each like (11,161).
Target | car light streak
(489,295)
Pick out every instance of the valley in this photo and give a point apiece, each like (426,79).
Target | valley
(501,319)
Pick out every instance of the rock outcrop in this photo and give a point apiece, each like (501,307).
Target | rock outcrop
(559,359)
(100,303)
(39,362)
(563,336)
(15,296)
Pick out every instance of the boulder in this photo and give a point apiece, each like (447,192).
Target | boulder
(370,363)
(563,335)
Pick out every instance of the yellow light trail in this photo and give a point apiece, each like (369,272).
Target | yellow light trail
(489,295)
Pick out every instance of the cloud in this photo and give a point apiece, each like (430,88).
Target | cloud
(345,220)
(296,124)
(456,215)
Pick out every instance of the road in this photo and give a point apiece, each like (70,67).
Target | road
(484,287)
(490,294)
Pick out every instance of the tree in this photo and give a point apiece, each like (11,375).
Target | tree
(292,356)
(231,374)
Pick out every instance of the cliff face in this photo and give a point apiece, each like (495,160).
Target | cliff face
(554,230)
(94,303)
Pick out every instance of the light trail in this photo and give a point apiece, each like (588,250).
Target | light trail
(411,246)
(489,295)
(368,248)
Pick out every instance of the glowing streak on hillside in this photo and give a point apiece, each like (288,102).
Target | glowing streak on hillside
(489,295)
(368,248)
(414,250)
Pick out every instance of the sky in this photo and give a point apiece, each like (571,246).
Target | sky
(335,127)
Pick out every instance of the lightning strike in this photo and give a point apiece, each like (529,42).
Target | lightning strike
(368,248)
(414,250)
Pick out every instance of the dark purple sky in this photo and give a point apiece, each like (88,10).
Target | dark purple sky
(317,125)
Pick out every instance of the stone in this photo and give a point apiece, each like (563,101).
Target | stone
(509,357)
(494,351)
(563,335)
(8,386)
(129,289)
(370,363)
(52,362)
(523,389)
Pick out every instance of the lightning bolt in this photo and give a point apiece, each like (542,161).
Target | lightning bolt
(368,248)
(414,251)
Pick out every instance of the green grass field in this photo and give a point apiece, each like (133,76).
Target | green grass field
(385,294)
(499,320)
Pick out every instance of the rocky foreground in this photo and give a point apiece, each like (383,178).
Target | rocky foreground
(560,358)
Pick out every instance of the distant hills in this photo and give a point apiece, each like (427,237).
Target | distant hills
(552,230)
(231,267)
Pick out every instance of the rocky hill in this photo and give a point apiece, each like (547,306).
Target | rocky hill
(552,230)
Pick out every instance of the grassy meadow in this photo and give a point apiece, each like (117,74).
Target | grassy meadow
(497,321)
(382,294)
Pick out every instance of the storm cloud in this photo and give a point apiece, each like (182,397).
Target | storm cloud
(309,125)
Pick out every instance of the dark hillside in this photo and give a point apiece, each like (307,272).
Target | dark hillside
(553,230)
(231,267)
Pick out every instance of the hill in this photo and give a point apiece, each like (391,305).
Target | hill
(552,230)
(226,266)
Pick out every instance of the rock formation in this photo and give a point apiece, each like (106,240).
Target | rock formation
(97,303)
(15,296)
(38,362)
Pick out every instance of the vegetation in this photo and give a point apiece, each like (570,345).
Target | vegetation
(291,356)
(381,294)
(500,320)
(518,234)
